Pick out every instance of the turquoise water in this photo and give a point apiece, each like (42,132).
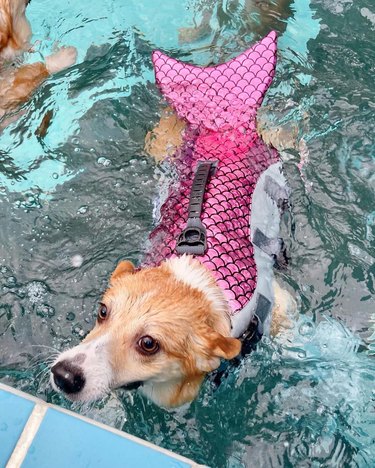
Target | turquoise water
(74,202)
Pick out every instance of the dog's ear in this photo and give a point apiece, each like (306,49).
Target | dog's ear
(125,267)
(216,346)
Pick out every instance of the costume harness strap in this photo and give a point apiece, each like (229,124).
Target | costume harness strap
(193,239)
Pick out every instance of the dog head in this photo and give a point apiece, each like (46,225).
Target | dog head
(162,327)
(15,31)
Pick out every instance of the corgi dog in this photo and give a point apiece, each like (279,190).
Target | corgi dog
(207,277)
(17,81)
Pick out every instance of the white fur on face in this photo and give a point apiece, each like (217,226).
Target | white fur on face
(93,359)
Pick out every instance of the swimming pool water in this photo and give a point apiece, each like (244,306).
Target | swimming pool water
(76,201)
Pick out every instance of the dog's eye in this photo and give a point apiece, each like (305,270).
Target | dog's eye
(103,312)
(148,345)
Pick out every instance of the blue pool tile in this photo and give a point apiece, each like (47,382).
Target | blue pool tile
(65,441)
(14,413)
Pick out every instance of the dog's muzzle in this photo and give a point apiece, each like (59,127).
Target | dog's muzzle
(68,378)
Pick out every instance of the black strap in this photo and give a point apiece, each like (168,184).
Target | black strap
(192,239)
(249,340)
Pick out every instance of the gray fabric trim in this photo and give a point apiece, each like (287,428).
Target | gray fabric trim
(278,193)
(263,308)
(269,246)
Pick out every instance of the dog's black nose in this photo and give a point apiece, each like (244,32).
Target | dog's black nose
(68,378)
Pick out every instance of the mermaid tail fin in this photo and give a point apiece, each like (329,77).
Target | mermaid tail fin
(223,97)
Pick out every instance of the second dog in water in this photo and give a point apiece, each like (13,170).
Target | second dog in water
(18,81)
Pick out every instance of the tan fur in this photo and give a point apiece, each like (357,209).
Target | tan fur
(284,310)
(22,82)
(166,137)
(18,83)
(192,337)
(15,31)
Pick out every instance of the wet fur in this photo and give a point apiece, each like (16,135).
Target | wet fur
(18,82)
(189,318)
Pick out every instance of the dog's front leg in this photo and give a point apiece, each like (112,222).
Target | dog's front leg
(284,310)
(166,137)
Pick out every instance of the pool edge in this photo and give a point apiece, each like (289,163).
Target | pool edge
(37,416)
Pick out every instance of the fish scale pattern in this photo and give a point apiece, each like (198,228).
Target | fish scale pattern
(221,97)
(225,133)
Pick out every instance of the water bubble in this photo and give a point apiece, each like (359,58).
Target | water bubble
(11,280)
(75,140)
(44,311)
(70,316)
(76,261)
(301,354)
(77,150)
(266,341)
(55,175)
(137,191)
(122,207)
(35,291)
(306,329)
(83,209)
(104,161)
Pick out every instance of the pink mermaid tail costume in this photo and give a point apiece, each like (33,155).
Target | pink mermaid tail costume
(219,104)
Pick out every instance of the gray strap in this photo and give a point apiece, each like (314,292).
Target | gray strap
(263,308)
(201,176)
(269,246)
(192,239)
(255,329)
(279,194)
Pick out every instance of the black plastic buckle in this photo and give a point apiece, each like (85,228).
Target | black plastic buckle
(251,336)
(193,239)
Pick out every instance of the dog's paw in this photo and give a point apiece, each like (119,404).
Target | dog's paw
(166,137)
(63,58)
(284,312)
